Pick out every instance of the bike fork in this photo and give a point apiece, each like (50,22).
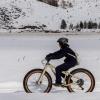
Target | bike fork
(42,74)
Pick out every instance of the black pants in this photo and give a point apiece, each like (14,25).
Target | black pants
(63,67)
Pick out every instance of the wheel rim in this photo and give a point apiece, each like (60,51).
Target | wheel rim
(31,83)
(84,86)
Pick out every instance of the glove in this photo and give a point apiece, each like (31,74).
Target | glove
(48,58)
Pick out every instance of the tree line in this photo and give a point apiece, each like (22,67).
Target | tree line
(81,25)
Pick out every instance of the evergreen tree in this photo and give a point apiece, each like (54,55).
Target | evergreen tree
(63,4)
(81,25)
(99,26)
(70,4)
(63,24)
(85,25)
(90,25)
(54,3)
(78,27)
(71,26)
(94,25)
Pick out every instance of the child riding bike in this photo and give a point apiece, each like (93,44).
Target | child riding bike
(69,62)
(78,80)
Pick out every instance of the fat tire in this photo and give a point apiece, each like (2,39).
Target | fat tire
(37,71)
(83,71)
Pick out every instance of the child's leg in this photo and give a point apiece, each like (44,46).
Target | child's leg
(60,68)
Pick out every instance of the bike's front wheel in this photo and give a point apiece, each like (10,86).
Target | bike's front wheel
(81,80)
(31,85)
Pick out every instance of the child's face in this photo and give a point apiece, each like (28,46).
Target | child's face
(59,45)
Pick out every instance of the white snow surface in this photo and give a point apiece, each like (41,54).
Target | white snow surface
(50,96)
(21,53)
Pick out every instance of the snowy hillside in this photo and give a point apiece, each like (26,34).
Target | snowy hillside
(35,15)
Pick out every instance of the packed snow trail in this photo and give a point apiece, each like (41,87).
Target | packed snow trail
(21,53)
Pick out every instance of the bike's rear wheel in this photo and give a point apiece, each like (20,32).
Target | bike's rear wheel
(30,82)
(82,81)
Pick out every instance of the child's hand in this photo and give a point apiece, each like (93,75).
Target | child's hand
(48,58)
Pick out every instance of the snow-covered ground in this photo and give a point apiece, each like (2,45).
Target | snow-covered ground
(21,53)
(58,96)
